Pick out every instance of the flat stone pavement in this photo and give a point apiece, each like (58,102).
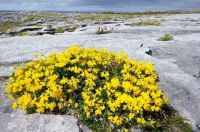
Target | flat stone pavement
(177,62)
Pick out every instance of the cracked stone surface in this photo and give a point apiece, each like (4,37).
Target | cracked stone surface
(177,62)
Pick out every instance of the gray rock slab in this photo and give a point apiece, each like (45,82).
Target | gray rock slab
(176,61)
(34,23)
(20,122)
(23,29)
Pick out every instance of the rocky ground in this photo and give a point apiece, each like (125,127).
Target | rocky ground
(177,62)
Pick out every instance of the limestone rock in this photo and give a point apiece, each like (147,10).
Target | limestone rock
(20,122)
(24,29)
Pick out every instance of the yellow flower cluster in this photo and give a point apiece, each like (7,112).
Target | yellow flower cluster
(100,85)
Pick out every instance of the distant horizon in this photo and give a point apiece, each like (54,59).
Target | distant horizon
(92,11)
(99,5)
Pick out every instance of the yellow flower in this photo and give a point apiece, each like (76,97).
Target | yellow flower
(125,130)
(130,116)
(115,82)
(76,105)
(105,74)
(14,105)
(117,120)
(88,114)
(91,63)
(64,81)
(51,106)
(98,112)
(110,118)
(141,120)
(127,86)
(40,110)
(70,101)
(96,83)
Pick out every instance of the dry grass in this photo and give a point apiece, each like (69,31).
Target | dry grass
(146,23)
(8,25)
(34,16)
(104,16)
(111,15)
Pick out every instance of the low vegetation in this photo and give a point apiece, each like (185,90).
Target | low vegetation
(118,15)
(23,34)
(166,37)
(107,91)
(94,17)
(5,26)
(156,12)
(146,23)
(104,16)
(72,29)
(34,16)
(68,21)
(60,30)
(30,18)
(173,122)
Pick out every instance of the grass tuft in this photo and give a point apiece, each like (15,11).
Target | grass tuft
(94,17)
(5,26)
(72,29)
(23,34)
(60,30)
(146,23)
(166,37)
(172,121)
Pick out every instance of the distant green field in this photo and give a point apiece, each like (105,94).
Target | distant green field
(155,12)
(112,15)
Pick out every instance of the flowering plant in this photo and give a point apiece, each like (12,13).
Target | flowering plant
(104,88)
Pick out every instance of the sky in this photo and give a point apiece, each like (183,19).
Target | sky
(100,5)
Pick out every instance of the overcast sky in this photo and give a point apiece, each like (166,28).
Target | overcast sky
(99,5)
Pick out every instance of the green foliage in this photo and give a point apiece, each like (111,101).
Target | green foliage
(170,121)
(166,37)
(8,25)
(60,30)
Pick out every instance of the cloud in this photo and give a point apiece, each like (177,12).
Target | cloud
(104,5)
